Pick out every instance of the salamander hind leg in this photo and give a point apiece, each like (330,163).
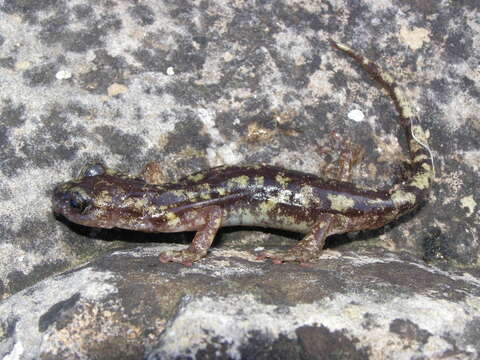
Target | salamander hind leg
(308,248)
(201,242)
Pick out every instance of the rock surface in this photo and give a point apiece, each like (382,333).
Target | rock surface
(349,305)
(194,84)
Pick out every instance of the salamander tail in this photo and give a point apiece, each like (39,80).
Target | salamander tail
(408,194)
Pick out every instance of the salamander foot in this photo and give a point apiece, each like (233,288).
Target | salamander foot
(184,257)
(293,255)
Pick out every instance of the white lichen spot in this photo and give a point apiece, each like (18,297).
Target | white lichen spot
(469,203)
(170,71)
(319,84)
(340,202)
(228,154)
(414,37)
(207,117)
(227,57)
(356,115)
(116,89)
(63,75)
(22,65)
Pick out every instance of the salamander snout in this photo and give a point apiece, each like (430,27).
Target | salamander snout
(70,201)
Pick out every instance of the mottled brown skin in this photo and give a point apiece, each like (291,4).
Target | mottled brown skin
(258,195)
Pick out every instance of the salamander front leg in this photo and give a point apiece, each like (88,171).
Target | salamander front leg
(308,248)
(202,240)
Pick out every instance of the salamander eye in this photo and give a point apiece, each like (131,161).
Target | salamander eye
(93,170)
(78,202)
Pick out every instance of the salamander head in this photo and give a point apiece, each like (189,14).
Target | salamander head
(98,198)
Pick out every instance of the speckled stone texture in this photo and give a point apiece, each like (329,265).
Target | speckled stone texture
(350,305)
(194,84)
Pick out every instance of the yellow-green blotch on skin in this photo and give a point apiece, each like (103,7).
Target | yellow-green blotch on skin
(259,180)
(172,219)
(388,78)
(104,199)
(137,203)
(205,191)
(267,206)
(170,216)
(400,197)
(283,196)
(419,134)
(110,171)
(282,180)
(427,167)
(422,181)
(341,202)
(420,157)
(305,197)
(241,181)
(191,195)
(405,107)
(344,47)
(196,177)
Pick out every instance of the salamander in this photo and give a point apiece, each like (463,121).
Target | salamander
(250,195)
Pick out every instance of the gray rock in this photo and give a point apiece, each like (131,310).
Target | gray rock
(198,84)
(353,305)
